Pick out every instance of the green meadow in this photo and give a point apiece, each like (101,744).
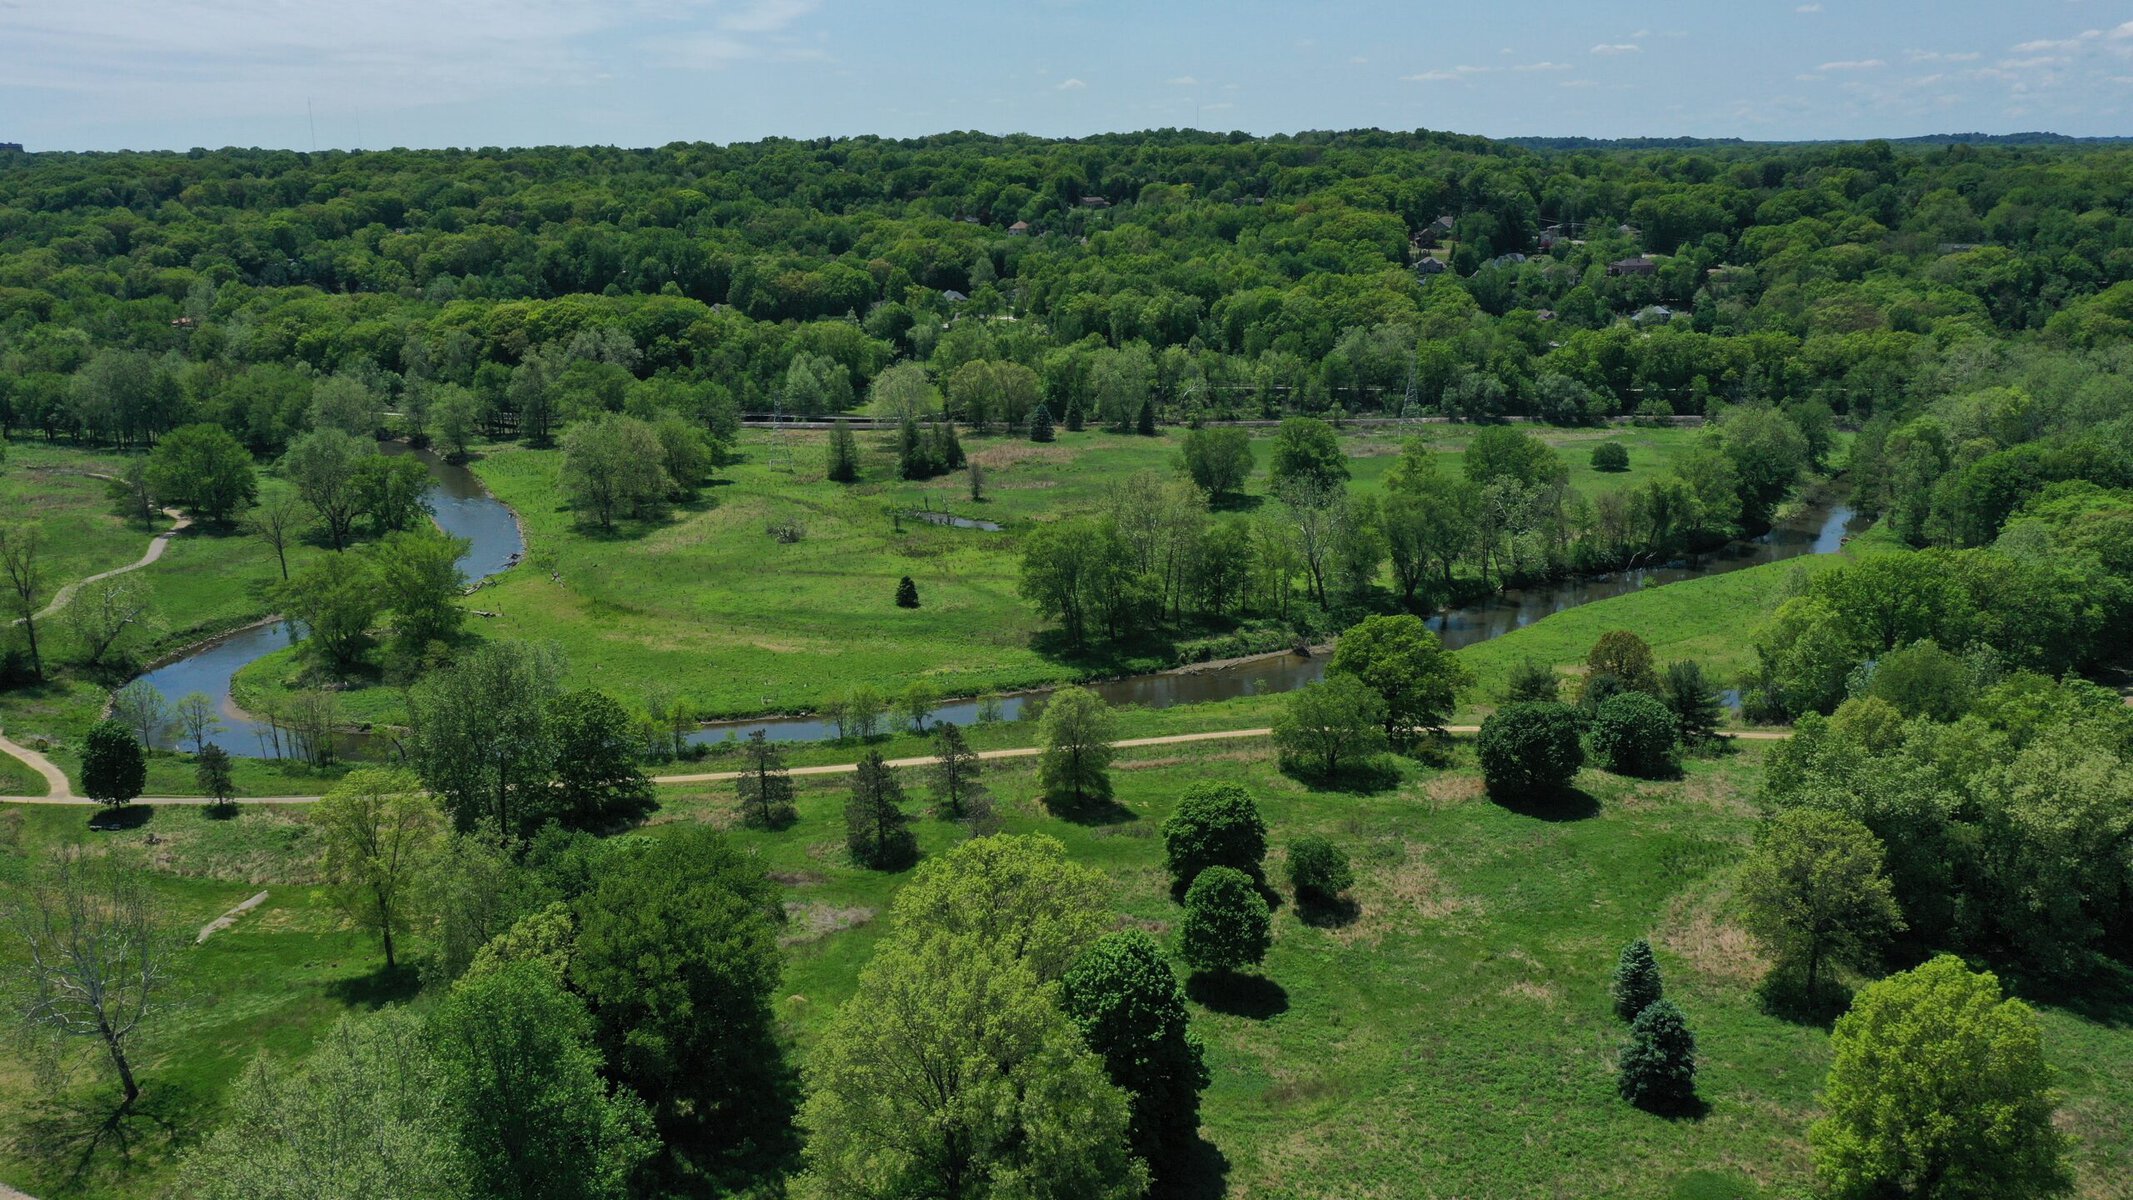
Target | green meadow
(1452,1039)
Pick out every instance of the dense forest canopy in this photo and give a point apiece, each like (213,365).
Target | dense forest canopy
(1222,275)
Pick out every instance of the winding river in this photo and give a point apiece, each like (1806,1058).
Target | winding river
(1819,528)
(464,508)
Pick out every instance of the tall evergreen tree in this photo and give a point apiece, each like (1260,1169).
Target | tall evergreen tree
(843,455)
(1637,983)
(1146,425)
(1658,1066)
(877,830)
(959,795)
(1040,424)
(765,790)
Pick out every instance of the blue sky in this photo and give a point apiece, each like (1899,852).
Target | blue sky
(109,74)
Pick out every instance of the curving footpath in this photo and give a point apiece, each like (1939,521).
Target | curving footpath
(156,545)
(62,791)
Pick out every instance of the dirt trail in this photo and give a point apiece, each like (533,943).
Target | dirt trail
(62,796)
(57,789)
(179,523)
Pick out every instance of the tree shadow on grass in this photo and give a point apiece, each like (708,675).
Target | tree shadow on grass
(1693,1109)
(1089,810)
(1199,1172)
(1323,912)
(1569,804)
(1378,774)
(75,1134)
(1784,994)
(120,819)
(386,985)
(2102,997)
(1252,996)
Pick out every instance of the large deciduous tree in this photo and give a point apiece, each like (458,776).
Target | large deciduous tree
(677,957)
(1400,659)
(1074,767)
(380,832)
(89,955)
(1131,1011)
(1814,891)
(521,1083)
(1938,1089)
(1330,723)
(599,784)
(612,465)
(204,470)
(481,738)
(322,466)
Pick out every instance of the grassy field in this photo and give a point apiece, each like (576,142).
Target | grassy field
(705,602)
(1452,1040)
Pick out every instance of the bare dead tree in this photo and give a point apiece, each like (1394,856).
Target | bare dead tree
(92,957)
(22,560)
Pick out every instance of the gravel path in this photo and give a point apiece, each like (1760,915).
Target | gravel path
(60,794)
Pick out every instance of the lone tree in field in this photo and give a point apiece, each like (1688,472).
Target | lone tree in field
(1634,735)
(956,788)
(1625,657)
(765,790)
(113,769)
(1318,870)
(1692,699)
(1530,749)
(22,560)
(1637,983)
(843,455)
(1214,825)
(211,771)
(1658,1066)
(1040,424)
(876,828)
(89,955)
(1074,766)
(1329,724)
(1407,666)
(1610,456)
(1814,891)
(380,831)
(906,593)
(1226,923)
(1132,1013)
(1532,680)
(1938,1088)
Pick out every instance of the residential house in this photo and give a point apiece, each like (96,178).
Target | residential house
(1642,264)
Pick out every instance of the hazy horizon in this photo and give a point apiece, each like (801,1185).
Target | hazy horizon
(121,74)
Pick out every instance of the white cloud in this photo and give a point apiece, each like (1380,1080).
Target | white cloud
(1617,48)
(1431,77)
(2123,31)
(1359,60)
(1071,85)
(1943,56)
(1542,66)
(2024,64)
(2047,44)
(1185,81)
(1853,64)
(217,58)
(1808,8)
